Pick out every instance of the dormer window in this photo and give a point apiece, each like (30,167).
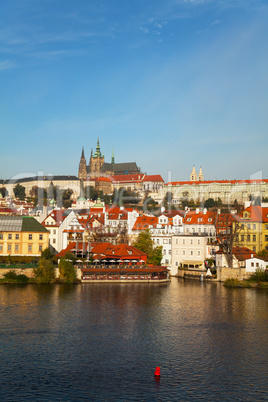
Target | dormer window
(189,219)
(199,219)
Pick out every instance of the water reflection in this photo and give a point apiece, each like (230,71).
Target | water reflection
(103,342)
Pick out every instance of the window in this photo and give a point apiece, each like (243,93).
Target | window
(17,236)
(54,241)
(169,252)
(10,236)
(40,247)
(242,226)
(191,252)
(242,237)
(30,237)
(191,241)
(177,241)
(16,247)
(30,247)
(166,261)
(183,252)
(266,237)
(257,264)
(248,237)
(9,247)
(54,231)
(248,225)
(254,238)
(1,236)
(176,263)
(254,226)
(252,264)
(198,241)
(1,247)
(169,241)
(183,241)
(254,249)
(198,252)
(157,241)
(40,237)
(165,241)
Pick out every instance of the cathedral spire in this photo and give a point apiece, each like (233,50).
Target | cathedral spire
(98,151)
(113,157)
(83,154)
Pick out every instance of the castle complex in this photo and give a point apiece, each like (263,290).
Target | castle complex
(98,167)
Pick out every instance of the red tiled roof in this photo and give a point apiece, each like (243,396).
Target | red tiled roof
(57,215)
(144,222)
(200,218)
(243,253)
(128,178)
(72,247)
(103,179)
(121,251)
(156,177)
(256,214)
(181,183)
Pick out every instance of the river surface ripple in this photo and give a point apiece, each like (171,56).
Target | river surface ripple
(103,341)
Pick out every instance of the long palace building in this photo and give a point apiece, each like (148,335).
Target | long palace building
(200,190)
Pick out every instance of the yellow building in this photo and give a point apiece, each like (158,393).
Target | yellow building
(22,236)
(253,228)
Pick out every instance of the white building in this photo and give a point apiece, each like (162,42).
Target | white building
(56,222)
(189,251)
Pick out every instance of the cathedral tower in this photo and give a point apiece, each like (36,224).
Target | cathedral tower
(82,170)
(96,160)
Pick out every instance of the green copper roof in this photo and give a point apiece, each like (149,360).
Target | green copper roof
(98,151)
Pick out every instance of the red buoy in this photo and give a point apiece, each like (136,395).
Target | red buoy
(157,372)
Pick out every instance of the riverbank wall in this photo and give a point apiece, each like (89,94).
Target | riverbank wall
(223,273)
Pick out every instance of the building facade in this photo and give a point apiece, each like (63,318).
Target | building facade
(22,236)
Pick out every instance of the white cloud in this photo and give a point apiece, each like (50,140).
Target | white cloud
(6,65)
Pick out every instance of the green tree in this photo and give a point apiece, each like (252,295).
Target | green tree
(263,254)
(66,198)
(3,191)
(19,191)
(145,243)
(45,272)
(47,254)
(67,271)
(167,200)
(210,203)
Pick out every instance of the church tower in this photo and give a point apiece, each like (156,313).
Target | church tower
(193,176)
(200,175)
(96,160)
(82,170)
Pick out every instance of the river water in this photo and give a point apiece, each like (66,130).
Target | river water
(103,342)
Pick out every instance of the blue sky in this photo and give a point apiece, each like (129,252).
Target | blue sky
(166,83)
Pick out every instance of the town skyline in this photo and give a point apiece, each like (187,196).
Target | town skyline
(166,84)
